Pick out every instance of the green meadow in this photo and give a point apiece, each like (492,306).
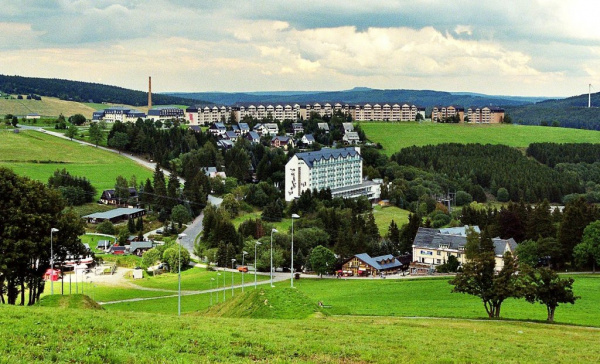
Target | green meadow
(38,155)
(395,136)
(385,215)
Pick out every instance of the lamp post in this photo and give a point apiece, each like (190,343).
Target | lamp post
(179,276)
(52,230)
(232,261)
(211,292)
(294,216)
(243,268)
(224,282)
(218,274)
(255,246)
(272,231)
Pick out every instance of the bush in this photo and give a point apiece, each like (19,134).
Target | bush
(502,195)
(171,257)
(463,198)
(150,257)
(106,227)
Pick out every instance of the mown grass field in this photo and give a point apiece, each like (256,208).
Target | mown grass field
(38,155)
(395,136)
(385,215)
(96,336)
(47,107)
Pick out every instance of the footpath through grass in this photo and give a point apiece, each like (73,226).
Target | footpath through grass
(50,334)
(38,155)
(395,136)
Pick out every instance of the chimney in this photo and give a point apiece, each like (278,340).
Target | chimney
(149,92)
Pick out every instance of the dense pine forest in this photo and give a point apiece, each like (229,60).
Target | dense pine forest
(84,91)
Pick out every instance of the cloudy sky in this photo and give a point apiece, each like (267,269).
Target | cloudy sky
(508,47)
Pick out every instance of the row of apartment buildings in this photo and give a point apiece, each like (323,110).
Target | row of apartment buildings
(206,114)
(475,114)
(125,114)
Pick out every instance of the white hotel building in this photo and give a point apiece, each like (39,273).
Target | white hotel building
(337,169)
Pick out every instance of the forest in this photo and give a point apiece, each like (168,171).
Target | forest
(84,91)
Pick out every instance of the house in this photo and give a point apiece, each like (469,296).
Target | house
(211,172)
(195,128)
(365,265)
(267,129)
(351,137)
(253,137)
(307,139)
(432,247)
(117,250)
(244,128)
(225,144)
(108,197)
(231,135)
(115,215)
(103,245)
(324,127)
(217,129)
(236,129)
(297,128)
(284,142)
(32,116)
(140,247)
(347,127)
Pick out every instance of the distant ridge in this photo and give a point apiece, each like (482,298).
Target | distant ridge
(84,91)
(425,98)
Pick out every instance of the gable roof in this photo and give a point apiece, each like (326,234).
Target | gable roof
(376,262)
(135,245)
(351,135)
(309,137)
(434,239)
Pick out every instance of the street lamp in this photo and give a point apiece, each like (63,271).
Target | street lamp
(294,216)
(179,275)
(272,231)
(243,268)
(218,274)
(52,230)
(224,282)
(255,246)
(232,261)
(211,292)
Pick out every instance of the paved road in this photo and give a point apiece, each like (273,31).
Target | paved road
(191,231)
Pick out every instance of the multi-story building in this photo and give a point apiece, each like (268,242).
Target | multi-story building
(337,169)
(165,113)
(432,247)
(485,115)
(440,113)
(118,113)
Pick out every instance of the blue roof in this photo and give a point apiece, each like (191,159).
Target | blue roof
(244,126)
(254,135)
(309,137)
(231,134)
(326,153)
(375,262)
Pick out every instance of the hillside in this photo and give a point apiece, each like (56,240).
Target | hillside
(83,91)
(77,301)
(49,334)
(571,112)
(47,107)
(425,98)
(395,136)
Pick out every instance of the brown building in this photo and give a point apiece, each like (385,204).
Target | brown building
(443,113)
(364,265)
(485,115)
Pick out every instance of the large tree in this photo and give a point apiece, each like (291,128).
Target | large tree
(28,211)
(546,287)
(96,134)
(322,260)
(588,251)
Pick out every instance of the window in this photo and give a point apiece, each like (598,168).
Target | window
(439,253)
(458,255)
(439,261)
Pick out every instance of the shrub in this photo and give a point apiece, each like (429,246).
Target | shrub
(502,195)
(171,257)
(463,198)
(106,227)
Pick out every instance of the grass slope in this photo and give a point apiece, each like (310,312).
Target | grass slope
(395,136)
(37,155)
(47,107)
(48,334)
(266,303)
(384,216)
(79,301)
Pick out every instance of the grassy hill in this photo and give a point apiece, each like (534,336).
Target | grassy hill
(395,136)
(49,334)
(266,303)
(47,107)
(78,301)
(37,155)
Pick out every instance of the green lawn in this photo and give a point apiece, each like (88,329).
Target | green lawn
(432,297)
(282,226)
(384,216)
(37,155)
(45,334)
(395,136)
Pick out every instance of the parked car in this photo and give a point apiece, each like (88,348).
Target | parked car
(242,268)
(159,231)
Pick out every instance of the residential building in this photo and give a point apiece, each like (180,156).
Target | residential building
(347,127)
(217,129)
(284,142)
(340,170)
(307,139)
(324,127)
(165,113)
(231,135)
(365,265)
(253,137)
(108,197)
(485,115)
(297,128)
(118,113)
(244,128)
(140,247)
(351,137)
(441,113)
(270,129)
(32,116)
(116,215)
(432,247)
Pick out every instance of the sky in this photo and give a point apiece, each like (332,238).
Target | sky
(508,47)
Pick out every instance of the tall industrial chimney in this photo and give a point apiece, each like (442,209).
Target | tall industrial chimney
(149,92)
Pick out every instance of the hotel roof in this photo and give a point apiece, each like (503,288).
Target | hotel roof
(310,157)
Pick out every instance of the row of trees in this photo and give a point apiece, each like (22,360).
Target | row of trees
(76,190)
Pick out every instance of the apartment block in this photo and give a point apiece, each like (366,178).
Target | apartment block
(485,115)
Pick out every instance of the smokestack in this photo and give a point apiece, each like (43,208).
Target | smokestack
(149,92)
